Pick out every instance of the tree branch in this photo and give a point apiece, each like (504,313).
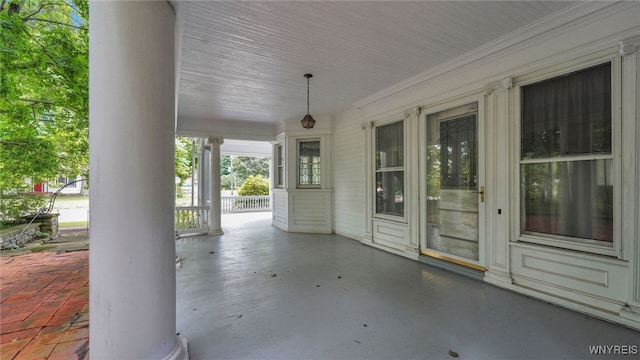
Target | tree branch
(37,101)
(55,22)
(37,11)
(44,48)
(26,65)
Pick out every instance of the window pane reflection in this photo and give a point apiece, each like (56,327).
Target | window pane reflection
(390,193)
(573,199)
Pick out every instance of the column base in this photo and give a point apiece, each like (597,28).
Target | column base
(497,278)
(214,232)
(180,351)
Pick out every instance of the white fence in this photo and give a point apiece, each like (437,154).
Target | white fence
(192,220)
(240,204)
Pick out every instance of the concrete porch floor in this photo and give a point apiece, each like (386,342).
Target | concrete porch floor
(259,293)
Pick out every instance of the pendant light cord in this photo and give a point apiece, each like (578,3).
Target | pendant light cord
(307,95)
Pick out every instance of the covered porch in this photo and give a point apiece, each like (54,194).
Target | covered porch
(353,198)
(260,293)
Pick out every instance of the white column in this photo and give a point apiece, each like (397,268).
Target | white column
(132,278)
(370,183)
(201,174)
(215,216)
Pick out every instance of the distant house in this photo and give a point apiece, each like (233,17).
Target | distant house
(73,185)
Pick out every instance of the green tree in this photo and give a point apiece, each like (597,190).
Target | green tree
(225,164)
(244,166)
(225,182)
(44,103)
(183,158)
(254,185)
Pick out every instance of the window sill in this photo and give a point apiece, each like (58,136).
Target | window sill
(392,218)
(561,244)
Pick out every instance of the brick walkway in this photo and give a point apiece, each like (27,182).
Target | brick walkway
(44,311)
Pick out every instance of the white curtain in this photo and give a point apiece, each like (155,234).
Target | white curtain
(390,146)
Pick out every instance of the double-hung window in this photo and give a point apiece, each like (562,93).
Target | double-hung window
(309,163)
(566,160)
(390,169)
(279,166)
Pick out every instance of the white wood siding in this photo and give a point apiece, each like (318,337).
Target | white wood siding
(280,208)
(310,211)
(605,285)
(350,178)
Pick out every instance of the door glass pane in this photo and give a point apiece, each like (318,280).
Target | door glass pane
(569,198)
(452,191)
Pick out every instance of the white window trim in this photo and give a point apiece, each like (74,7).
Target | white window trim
(586,245)
(403,168)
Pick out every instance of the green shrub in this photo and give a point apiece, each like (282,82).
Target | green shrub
(14,206)
(42,234)
(254,185)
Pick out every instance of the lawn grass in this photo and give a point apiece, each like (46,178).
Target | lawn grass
(70,198)
(40,248)
(72,224)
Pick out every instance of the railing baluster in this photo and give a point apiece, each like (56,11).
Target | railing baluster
(194,219)
(191,219)
(241,204)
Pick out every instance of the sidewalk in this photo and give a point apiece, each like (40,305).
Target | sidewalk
(44,310)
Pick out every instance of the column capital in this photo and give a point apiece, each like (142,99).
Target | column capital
(412,113)
(504,84)
(366,125)
(215,140)
(629,46)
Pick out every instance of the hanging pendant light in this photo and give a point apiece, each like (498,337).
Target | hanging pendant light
(307,121)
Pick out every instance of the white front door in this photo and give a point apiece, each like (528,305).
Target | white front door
(453,216)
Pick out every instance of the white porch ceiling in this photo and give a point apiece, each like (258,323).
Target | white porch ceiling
(244,61)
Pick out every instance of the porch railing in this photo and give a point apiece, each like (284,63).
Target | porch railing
(192,220)
(239,204)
